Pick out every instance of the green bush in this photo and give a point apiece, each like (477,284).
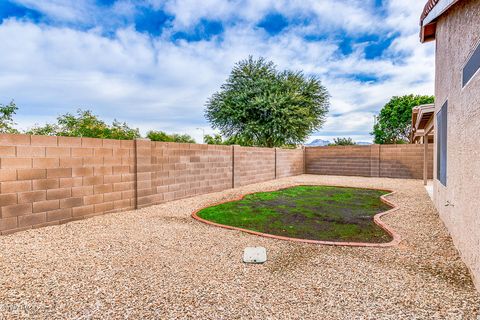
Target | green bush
(6,117)
(86,124)
(165,137)
(342,142)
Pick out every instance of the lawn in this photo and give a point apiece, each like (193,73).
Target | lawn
(307,212)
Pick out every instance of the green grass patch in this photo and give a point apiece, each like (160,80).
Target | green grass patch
(307,212)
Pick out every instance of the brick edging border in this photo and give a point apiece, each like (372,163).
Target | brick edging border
(396,238)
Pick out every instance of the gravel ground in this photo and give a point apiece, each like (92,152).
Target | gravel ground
(159,263)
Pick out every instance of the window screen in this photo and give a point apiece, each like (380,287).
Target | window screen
(442,144)
(472,66)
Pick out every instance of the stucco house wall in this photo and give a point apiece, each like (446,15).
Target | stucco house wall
(457,36)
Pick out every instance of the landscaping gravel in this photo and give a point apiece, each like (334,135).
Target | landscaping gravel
(159,263)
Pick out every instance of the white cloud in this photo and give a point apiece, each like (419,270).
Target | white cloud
(62,9)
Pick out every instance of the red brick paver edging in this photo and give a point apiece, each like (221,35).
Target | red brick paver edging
(396,238)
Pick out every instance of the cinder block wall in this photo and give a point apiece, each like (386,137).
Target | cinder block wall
(290,162)
(47,180)
(393,161)
(338,160)
(179,170)
(404,161)
(253,165)
(52,180)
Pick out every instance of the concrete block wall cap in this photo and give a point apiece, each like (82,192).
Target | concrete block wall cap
(396,238)
(143,139)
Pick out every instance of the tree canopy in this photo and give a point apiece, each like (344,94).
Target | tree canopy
(217,139)
(394,122)
(6,117)
(165,137)
(86,124)
(261,106)
(213,139)
(342,142)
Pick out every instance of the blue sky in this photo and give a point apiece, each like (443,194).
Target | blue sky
(154,63)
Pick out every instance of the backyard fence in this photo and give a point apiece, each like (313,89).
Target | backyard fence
(392,161)
(48,180)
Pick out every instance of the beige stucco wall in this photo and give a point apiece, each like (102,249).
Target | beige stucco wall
(458,33)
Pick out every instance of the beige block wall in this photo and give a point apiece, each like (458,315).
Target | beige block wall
(458,34)
(394,161)
(50,180)
(179,170)
(338,160)
(253,165)
(402,161)
(146,194)
(290,162)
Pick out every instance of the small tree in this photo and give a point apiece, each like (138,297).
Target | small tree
(215,139)
(46,130)
(182,138)
(85,124)
(218,139)
(165,137)
(394,122)
(6,117)
(158,136)
(82,124)
(342,142)
(121,131)
(259,105)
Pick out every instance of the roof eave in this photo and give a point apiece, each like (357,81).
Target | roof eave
(425,111)
(427,33)
(429,23)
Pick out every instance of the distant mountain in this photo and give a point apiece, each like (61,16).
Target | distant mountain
(363,143)
(318,143)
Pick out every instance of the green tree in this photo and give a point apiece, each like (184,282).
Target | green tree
(121,131)
(218,139)
(394,122)
(86,124)
(259,105)
(182,138)
(82,124)
(6,117)
(158,136)
(342,142)
(46,130)
(165,137)
(214,139)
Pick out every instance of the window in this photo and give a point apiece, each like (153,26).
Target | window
(442,144)
(472,66)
